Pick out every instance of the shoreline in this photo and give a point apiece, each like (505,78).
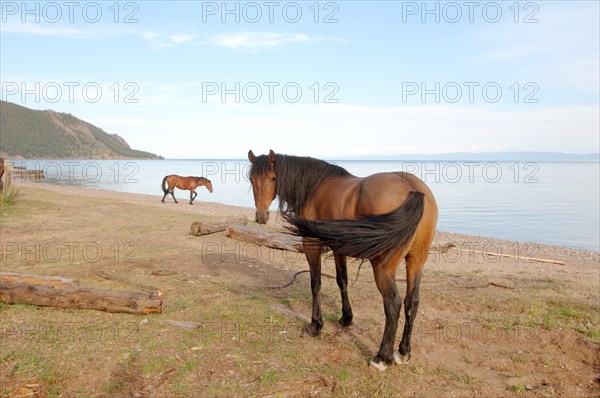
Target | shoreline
(213,209)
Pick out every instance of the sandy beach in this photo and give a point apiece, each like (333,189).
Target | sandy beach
(492,321)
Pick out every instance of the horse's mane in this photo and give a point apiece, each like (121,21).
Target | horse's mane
(297,178)
(202,178)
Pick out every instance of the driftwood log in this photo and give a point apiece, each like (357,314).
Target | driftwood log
(265,237)
(65,293)
(199,228)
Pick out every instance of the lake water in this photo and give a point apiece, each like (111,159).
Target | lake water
(546,202)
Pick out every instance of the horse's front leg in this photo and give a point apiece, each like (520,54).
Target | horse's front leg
(312,251)
(193,195)
(173,194)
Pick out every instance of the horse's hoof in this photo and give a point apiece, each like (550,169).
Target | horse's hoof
(381,366)
(345,321)
(313,330)
(401,359)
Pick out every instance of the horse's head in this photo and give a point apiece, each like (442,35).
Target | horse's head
(209,186)
(264,183)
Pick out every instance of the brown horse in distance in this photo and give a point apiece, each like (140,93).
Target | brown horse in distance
(384,218)
(173,181)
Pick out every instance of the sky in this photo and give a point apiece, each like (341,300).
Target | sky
(324,79)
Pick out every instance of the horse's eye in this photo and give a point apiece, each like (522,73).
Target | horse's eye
(273,179)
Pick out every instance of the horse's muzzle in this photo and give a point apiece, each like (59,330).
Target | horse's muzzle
(262,218)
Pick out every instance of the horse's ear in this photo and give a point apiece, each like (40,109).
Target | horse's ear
(271,157)
(251,156)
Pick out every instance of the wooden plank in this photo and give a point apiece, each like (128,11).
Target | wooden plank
(265,237)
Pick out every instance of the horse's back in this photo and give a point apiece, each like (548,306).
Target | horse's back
(350,197)
(383,192)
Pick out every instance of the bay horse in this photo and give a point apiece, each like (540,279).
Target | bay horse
(384,218)
(170,182)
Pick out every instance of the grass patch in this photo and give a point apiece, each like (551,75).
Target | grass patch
(270,377)
(154,366)
(180,387)
(376,388)
(191,365)
(553,314)
(332,316)
(32,364)
(518,388)
(8,195)
(344,374)
(549,315)
(182,302)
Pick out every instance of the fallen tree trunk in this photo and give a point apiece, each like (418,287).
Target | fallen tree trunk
(199,228)
(45,291)
(265,237)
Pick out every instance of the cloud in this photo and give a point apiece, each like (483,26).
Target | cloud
(159,40)
(155,39)
(182,38)
(254,41)
(240,41)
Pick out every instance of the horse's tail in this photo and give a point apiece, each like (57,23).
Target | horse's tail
(164,185)
(368,236)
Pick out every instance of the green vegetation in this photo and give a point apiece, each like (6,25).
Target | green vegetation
(8,195)
(33,134)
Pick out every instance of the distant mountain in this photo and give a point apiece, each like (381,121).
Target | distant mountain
(31,134)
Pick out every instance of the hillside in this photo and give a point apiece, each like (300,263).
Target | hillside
(32,134)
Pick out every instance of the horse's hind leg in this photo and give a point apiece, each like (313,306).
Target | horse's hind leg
(414,271)
(341,276)
(312,251)
(385,280)
(173,194)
